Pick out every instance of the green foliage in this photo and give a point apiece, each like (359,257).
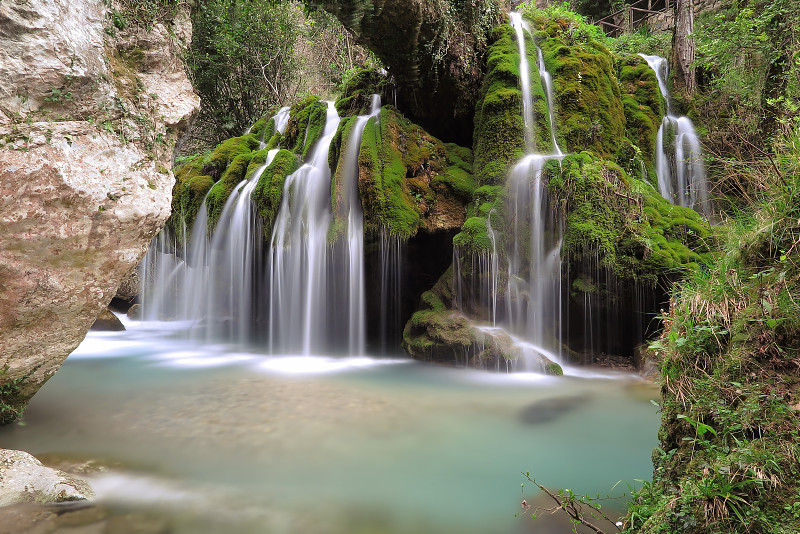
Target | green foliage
(641,42)
(142,14)
(11,405)
(268,192)
(575,27)
(728,453)
(242,61)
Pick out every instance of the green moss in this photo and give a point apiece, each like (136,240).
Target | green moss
(589,107)
(218,195)
(474,235)
(226,152)
(553,369)
(499,127)
(268,192)
(399,165)
(306,124)
(336,155)
(643,104)
(635,233)
(357,91)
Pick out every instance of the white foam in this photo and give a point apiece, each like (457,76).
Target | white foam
(299,365)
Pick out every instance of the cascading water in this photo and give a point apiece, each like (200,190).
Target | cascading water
(213,280)
(351,271)
(532,245)
(681,173)
(533,296)
(298,252)
(310,279)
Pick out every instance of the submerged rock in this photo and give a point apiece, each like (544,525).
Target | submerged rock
(88,123)
(23,478)
(548,410)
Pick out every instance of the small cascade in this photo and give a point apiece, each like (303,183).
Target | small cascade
(211,280)
(351,273)
(234,263)
(316,287)
(533,249)
(547,82)
(391,268)
(526,298)
(298,252)
(520,26)
(680,171)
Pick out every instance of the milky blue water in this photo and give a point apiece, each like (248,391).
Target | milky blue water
(218,439)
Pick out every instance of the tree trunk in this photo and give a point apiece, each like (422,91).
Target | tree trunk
(683,46)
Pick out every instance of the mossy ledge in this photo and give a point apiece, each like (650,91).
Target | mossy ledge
(439,334)
(409,180)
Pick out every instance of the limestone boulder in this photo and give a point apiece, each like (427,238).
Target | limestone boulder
(23,478)
(89,118)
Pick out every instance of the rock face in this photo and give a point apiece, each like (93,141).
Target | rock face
(90,111)
(23,478)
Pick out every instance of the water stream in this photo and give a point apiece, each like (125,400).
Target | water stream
(217,439)
(679,163)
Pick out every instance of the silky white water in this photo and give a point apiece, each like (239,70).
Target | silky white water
(679,165)
(217,439)
(530,251)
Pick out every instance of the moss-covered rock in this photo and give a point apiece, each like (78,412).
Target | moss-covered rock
(306,124)
(195,178)
(268,192)
(357,91)
(636,234)
(589,103)
(643,104)
(407,180)
(437,333)
(499,137)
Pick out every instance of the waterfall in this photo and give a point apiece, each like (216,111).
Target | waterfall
(527,301)
(391,268)
(681,173)
(351,275)
(211,280)
(316,288)
(520,26)
(533,295)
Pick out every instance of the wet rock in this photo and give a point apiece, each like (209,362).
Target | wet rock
(135,311)
(107,321)
(130,286)
(23,478)
(27,518)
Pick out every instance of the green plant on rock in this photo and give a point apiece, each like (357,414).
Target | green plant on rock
(729,355)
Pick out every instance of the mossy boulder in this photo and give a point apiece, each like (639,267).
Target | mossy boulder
(409,180)
(624,222)
(643,104)
(357,91)
(268,192)
(437,333)
(306,124)
(588,97)
(499,137)
(197,176)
